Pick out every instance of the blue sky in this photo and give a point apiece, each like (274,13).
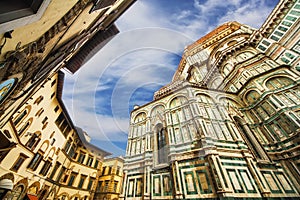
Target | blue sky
(142,58)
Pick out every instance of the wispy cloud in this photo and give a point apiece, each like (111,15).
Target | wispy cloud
(142,58)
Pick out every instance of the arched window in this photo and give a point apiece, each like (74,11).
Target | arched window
(43,194)
(178,101)
(139,127)
(35,161)
(214,120)
(204,99)
(244,56)
(157,111)
(33,141)
(16,193)
(140,117)
(34,188)
(25,126)
(231,43)
(195,74)
(162,150)
(252,96)
(21,116)
(216,82)
(38,100)
(278,82)
(227,68)
(178,113)
(39,112)
(6,87)
(208,109)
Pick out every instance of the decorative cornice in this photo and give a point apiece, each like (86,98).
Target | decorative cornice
(205,40)
(168,89)
(277,14)
(31,58)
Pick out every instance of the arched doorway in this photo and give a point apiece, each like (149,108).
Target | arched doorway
(16,194)
(161,144)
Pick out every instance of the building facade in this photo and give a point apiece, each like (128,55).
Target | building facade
(38,38)
(111,178)
(228,124)
(43,155)
(48,157)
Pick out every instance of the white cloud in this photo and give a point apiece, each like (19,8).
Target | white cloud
(141,56)
(254,13)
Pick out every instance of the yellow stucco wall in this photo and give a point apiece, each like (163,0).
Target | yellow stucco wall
(31,32)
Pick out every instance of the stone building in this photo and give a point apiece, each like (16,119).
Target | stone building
(110,180)
(228,124)
(43,155)
(48,157)
(37,38)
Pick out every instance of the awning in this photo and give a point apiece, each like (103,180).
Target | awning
(6,184)
(32,197)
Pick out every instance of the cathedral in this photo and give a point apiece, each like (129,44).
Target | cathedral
(227,126)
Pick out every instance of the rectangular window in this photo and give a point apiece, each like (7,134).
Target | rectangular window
(286,23)
(19,162)
(274,38)
(91,182)
(295,117)
(262,47)
(81,182)
(282,28)
(45,168)
(65,178)
(99,186)
(67,130)
(72,151)
(75,155)
(268,108)
(278,33)
(297,47)
(81,157)
(265,42)
(57,164)
(53,82)
(262,113)
(96,164)
(56,108)
(106,186)
(72,178)
(90,161)
(103,171)
(67,146)
(109,169)
(60,119)
(118,171)
(44,120)
(290,18)
(62,171)
(18,9)
(52,95)
(294,12)
(115,186)
(35,161)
